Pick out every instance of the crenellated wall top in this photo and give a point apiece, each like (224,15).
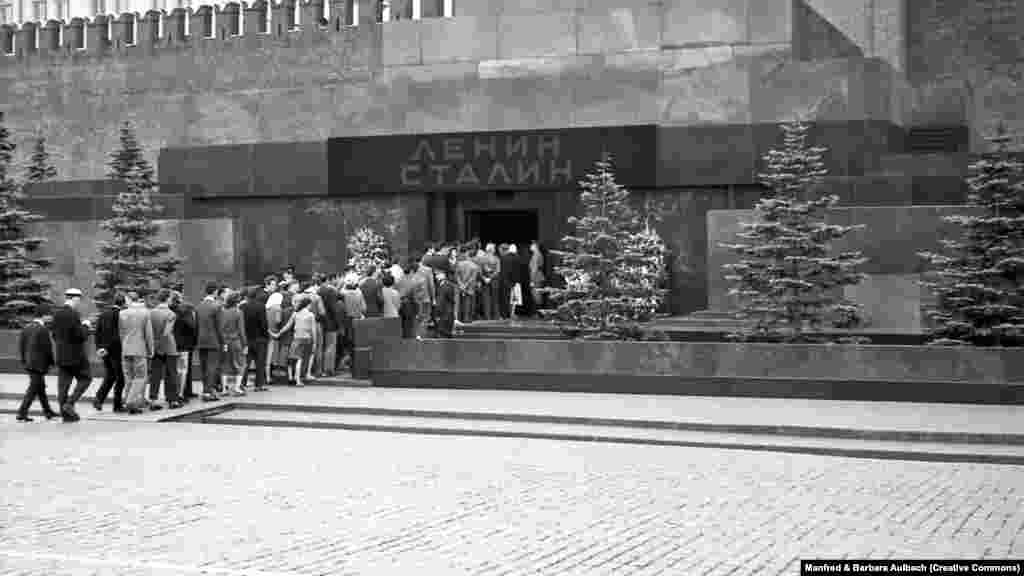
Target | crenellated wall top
(159,29)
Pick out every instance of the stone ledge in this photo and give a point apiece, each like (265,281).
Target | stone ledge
(873,391)
(896,373)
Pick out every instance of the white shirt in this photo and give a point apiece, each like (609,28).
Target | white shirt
(396,272)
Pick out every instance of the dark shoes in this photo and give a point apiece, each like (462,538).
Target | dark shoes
(24,418)
(210,398)
(68,414)
(175,405)
(51,415)
(120,409)
(98,406)
(155,407)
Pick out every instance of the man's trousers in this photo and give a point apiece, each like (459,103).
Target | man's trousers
(36,389)
(164,368)
(257,354)
(136,375)
(113,377)
(209,359)
(65,375)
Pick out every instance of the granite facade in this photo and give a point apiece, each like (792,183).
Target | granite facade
(891,240)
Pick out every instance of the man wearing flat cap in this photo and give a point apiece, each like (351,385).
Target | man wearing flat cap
(70,334)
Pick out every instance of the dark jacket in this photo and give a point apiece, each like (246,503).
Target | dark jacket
(208,326)
(162,319)
(254,315)
(185,330)
(108,333)
(330,299)
(371,289)
(511,269)
(36,348)
(69,338)
(445,310)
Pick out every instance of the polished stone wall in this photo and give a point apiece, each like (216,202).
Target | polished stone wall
(892,237)
(207,246)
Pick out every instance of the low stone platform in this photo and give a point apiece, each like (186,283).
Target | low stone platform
(937,432)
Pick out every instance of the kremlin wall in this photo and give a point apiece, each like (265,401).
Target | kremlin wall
(277,129)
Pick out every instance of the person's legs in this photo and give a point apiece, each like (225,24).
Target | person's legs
(156,374)
(109,377)
(64,378)
(118,370)
(35,382)
(84,380)
(330,352)
(182,370)
(318,350)
(208,371)
(171,381)
(258,353)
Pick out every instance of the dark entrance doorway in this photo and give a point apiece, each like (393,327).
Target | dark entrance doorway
(502,226)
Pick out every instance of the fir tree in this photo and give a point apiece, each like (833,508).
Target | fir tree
(39,167)
(788,283)
(613,265)
(22,295)
(367,248)
(977,282)
(135,258)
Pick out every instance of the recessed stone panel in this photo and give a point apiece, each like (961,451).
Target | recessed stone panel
(465,38)
(617,28)
(540,6)
(536,35)
(706,87)
(608,95)
(400,43)
(701,22)
(809,90)
(770,21)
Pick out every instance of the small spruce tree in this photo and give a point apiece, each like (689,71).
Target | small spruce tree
(39,168)
(613,265)
(366,248)
(22,294)
(135,258)
(788,283)
(978,280)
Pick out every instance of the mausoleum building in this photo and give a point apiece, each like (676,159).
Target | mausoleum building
(278,129)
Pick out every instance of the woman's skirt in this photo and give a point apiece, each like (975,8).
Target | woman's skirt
(301,348)
(282,351)
(234,360)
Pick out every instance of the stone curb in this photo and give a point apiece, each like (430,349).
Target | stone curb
(781,430)
(902,455)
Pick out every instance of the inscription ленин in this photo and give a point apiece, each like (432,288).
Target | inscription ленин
(487,161)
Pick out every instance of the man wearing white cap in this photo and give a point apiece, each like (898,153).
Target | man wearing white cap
(70,333)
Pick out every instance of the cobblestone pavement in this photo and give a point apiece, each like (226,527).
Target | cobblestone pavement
(127,499)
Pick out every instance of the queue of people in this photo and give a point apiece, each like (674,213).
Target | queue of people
(286,332)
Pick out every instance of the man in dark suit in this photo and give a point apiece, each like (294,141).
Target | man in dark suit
(511,274)
(445,314)
(257,335)
(70,334)
(165,352)
(210,343)
(108,348)
(185,340)
(329,296)
(36,351)
(371,288)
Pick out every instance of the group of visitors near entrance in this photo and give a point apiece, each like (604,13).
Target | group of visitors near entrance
(287,331)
